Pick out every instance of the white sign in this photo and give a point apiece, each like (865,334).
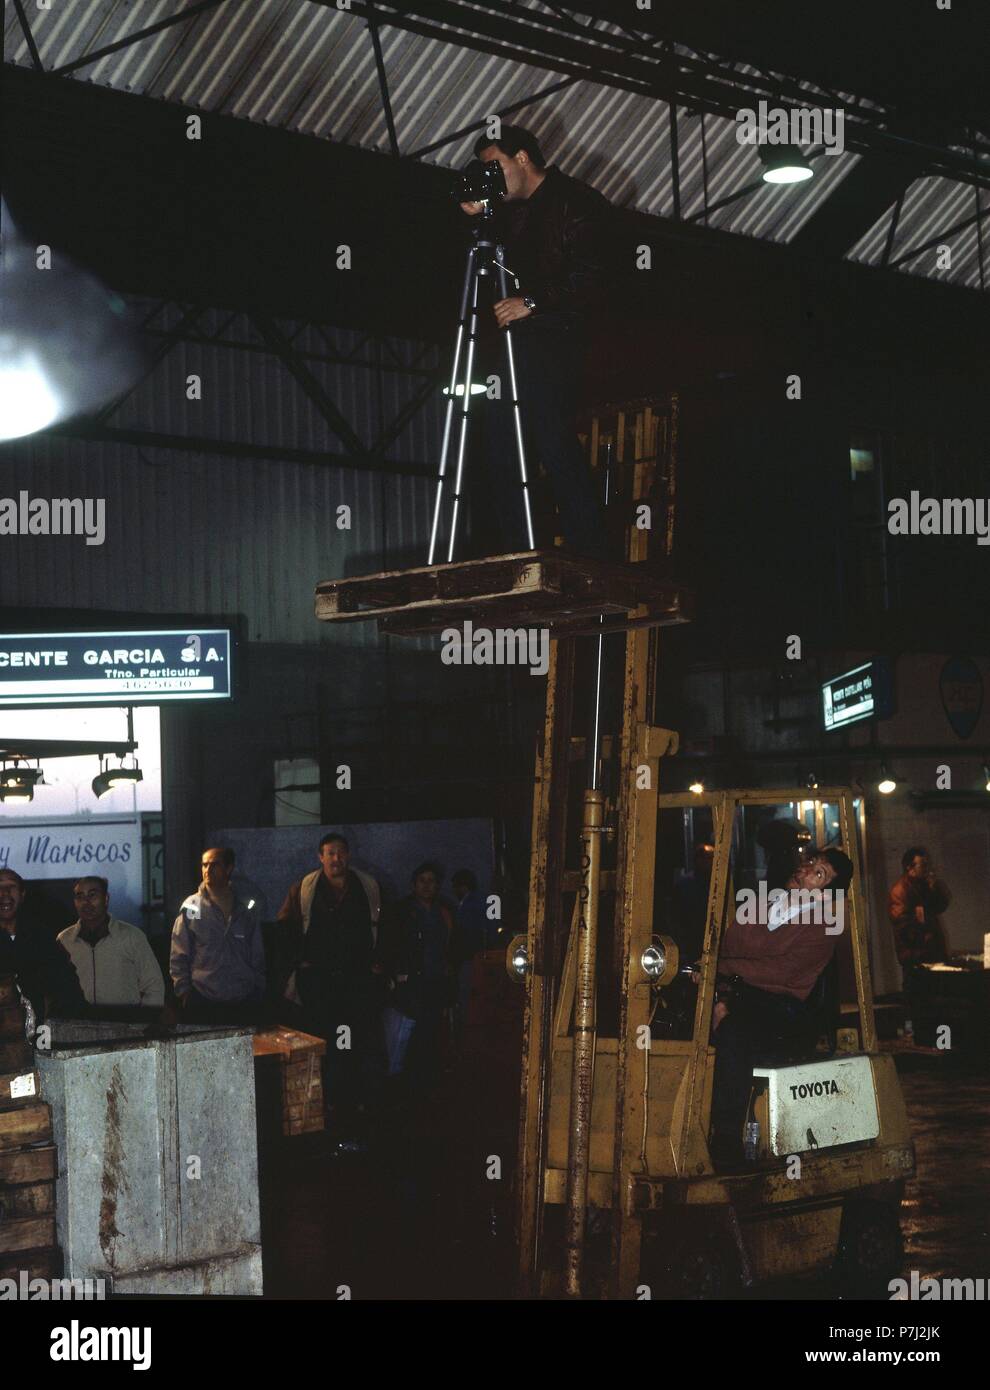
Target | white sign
(821,1104)
(23,1086)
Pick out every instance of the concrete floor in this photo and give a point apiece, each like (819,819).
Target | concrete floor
(418,1217)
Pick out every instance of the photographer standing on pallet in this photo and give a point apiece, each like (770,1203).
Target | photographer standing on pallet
(554,230)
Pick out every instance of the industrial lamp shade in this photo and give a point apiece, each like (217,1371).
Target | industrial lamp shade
(783,164)
(67,345)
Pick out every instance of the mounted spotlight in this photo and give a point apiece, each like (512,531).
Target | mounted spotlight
(15,793)
(110,777)
(783,164)
(697,788)
(986,775)
(811,781)
(67,344)
(14,779)
(887,784)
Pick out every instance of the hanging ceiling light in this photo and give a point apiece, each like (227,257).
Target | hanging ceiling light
(887,784)
(110,777)
(783,164)
(67,345)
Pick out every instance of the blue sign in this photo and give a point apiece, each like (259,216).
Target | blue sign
(115,668)
(961,688)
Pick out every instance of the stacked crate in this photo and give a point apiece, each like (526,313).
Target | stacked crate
(300,1056)
(28,1161)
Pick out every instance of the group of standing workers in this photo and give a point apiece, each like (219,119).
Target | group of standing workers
(385,988)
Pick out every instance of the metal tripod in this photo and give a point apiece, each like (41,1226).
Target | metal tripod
(485,258)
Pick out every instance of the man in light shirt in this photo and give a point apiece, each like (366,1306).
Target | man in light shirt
(218,955)
(114,962)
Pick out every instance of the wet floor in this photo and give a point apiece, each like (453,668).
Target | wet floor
(424,1211)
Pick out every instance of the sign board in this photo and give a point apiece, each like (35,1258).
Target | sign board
(862,693)
(119,668)
(821,1104)
(65,850)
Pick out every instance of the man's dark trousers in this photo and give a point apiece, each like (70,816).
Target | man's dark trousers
(549,359)
(758,1023)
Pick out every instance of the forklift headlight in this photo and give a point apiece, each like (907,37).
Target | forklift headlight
(517,958)
(660,960)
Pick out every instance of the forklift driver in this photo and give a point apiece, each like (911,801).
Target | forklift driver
(772,968)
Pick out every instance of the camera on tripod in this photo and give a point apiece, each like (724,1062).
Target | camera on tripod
(480,183)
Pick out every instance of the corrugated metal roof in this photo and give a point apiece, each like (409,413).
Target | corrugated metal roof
(310,68)
(931,207)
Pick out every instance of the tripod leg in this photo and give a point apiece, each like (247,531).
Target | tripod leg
(462,441)
(516,414)
(470,276)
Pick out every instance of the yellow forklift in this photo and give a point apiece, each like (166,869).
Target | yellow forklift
(616,1192)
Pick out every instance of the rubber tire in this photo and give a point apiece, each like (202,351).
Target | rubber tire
(871,1249)
(700,1266)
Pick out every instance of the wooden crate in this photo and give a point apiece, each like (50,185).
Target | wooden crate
(300,1056)
(30,1124)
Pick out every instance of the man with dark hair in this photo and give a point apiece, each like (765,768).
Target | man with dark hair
(417,952)
(45,975)
(329,943)
(554,231)
(218,954)
(916,900)
(114,962)
(771,968)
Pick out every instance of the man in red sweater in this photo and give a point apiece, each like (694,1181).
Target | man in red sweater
(777,961)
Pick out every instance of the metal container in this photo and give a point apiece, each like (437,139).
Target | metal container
(157,1186)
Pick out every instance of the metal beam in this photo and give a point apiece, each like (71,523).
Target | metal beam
(172,336)
(608,61)
(313,388)
(231,448)
(977,218)
(376,42)
(28,36)
(136,37)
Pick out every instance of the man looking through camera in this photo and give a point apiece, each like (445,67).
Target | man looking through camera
(553,229)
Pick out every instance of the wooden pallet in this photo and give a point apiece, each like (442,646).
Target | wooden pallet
(564,594)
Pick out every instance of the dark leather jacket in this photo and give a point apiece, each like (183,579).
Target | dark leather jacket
(556,243)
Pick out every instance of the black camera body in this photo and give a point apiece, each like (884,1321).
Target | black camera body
(480,183)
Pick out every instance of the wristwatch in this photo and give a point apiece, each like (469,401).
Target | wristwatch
(530,303)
